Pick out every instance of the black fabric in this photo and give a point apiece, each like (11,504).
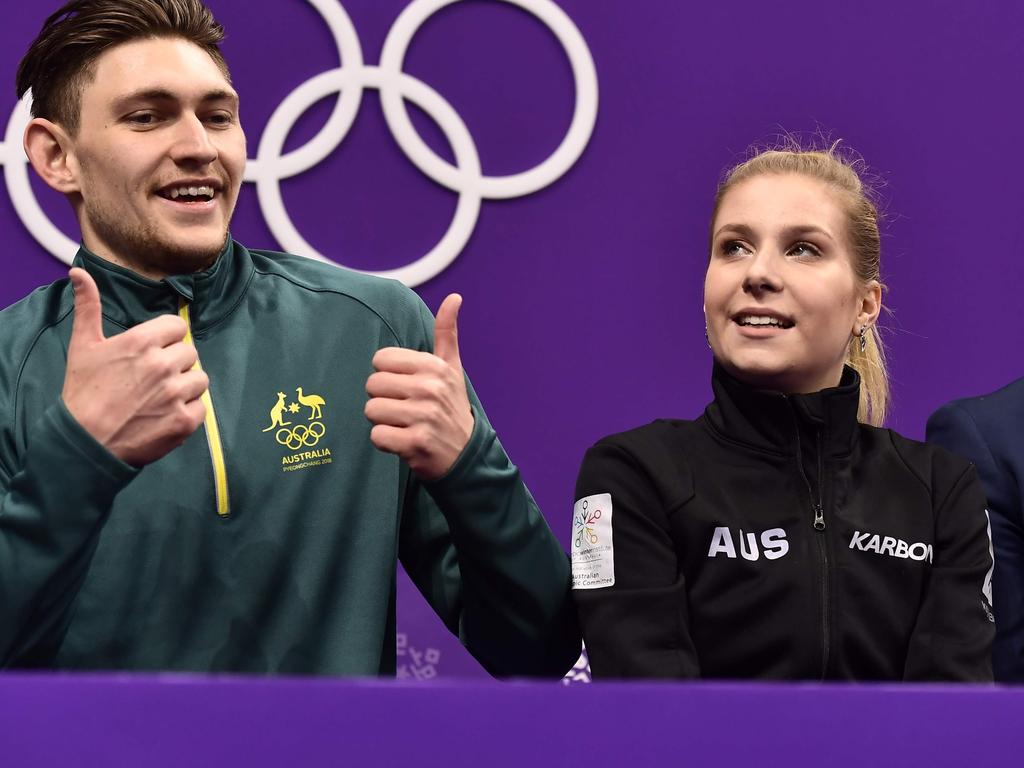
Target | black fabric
(987,430)
(720,571)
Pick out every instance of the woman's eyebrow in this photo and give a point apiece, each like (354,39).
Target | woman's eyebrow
(792,232)
(802,230)
(739,229)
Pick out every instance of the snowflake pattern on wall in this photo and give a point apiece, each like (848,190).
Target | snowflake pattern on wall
(580,672)
(413,663)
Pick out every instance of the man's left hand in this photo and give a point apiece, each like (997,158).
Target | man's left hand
(418,402)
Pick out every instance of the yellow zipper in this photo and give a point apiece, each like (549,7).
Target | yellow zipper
(220,471)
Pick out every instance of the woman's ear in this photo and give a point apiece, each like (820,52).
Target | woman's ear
(51,152)
(870,305)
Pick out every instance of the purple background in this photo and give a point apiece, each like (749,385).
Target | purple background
(583,301)
(87,721)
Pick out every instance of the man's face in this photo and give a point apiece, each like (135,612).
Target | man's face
(158,157)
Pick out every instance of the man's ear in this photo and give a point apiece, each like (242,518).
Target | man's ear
(870,305)
(51,152)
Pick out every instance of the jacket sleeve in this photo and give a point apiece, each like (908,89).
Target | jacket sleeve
(480,551)
(954,428)
(54,497)
(952,637)
(638,625)
(478,548)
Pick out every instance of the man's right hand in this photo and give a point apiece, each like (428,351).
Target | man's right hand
(137,392)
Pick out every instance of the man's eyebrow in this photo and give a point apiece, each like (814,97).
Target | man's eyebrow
(162,94)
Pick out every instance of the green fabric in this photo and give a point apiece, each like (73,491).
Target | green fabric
(106,567)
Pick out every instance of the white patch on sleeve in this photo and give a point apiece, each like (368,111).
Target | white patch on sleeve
(986,587)
(593,557)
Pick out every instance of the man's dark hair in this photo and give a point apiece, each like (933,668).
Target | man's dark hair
(60,61)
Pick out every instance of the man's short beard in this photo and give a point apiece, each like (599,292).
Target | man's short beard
(146,252)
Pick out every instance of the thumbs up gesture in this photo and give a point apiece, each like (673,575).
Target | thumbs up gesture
(135,393)
(418,402)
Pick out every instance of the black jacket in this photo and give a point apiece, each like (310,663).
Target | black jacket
(989,430)
(776,537)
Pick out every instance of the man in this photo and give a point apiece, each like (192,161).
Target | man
(987,430)
(191,474)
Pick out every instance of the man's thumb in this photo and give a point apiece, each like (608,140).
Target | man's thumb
(88,323)
(446,330)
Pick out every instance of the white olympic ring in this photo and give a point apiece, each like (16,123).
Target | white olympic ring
(350,80)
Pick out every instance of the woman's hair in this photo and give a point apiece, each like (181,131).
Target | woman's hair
(844,175)
(60,60)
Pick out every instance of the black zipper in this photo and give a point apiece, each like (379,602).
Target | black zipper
(819,526)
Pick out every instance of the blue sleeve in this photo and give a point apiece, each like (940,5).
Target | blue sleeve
(954,428)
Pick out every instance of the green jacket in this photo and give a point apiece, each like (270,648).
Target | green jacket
(272,546)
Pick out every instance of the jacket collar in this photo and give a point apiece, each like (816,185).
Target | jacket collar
(768,420)
(129,298)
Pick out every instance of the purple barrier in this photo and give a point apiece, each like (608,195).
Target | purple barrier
(166,720)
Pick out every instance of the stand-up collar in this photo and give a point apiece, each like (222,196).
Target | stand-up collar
(769,420)
(129,298)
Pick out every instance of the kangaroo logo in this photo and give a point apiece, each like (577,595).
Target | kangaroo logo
(305,435)
(277,414)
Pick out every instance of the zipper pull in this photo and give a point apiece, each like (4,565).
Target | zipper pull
(819,518)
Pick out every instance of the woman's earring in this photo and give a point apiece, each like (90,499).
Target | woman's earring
(863,341)
(707,339)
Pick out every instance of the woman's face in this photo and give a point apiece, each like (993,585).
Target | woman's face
(780,295)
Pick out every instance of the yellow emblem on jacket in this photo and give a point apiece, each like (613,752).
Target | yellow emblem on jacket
(296,433)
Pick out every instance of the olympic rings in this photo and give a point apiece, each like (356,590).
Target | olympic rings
(590,535)
(349,81)
(584,114)
(294,439)
(582,521)
(268,188)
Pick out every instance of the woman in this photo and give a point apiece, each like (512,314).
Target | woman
(783,534)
